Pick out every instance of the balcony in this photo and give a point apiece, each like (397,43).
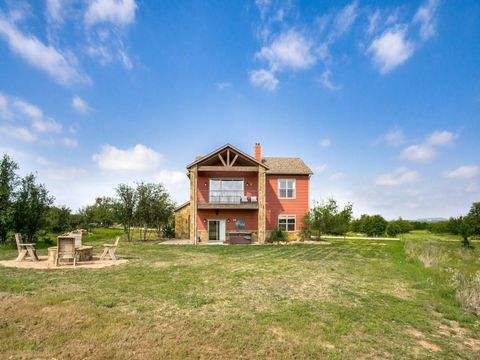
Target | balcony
(227,199)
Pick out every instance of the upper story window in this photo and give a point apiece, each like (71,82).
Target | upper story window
(286,188)
(226,191)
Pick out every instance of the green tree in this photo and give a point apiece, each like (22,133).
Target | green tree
(161,208)
(8,183)
(104,211)
(30,207)
(325,217)
(58,218)
(474,216)
(125,205)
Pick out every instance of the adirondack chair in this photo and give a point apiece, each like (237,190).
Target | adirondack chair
(109,249)
(25,249)
(66,249)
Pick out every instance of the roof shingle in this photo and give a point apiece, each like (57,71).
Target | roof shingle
(286,165)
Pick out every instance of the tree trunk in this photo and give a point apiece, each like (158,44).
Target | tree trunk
(466,242)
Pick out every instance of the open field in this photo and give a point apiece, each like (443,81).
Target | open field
(350,299)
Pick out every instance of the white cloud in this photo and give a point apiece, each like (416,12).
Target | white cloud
(326,80)
(419,153)
(394,137)
(336,176)
(54,11)
(325,142)
(46,125)
(64,173)
(441,138)
(264,79)
(373,20)
(80,105)
(464,172)
(138,158)
(70,142)
(400,176)
(223,85)
(288,50)
(320,168)
(391,49)
(472,188)
(426,17)
(344,20)
(28,109)
(171,178)
(5,113)
(119,12)
(46,58)
(17,133)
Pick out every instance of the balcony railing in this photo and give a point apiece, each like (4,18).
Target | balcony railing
(228,197)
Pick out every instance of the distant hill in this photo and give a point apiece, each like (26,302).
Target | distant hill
(431,220)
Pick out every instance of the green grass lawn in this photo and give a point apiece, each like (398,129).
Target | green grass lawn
(347,300)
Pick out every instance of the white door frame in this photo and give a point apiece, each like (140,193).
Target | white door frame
(222,232)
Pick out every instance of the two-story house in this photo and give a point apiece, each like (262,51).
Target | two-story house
(239,198)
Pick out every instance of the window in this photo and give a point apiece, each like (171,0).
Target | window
(286,222)
(286,188)
(225,191)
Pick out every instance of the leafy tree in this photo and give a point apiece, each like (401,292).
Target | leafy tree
(8,182)
(372,225)
(277,235)
(125,205)
(87,216)
(474,216)
(161,208)
(31,206)
(58,218)
(103,211)
(399,226)
(326,218)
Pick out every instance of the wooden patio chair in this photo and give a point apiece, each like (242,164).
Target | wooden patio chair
(66,249)
(25,249)
(109,249)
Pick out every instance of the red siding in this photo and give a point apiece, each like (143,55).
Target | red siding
(275,206)
(249,216)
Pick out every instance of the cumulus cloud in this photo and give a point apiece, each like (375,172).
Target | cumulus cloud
(54,62)
(400,176)
(440,138)
(264,79)
(288,50)
(463,172)
(138,158)
(427,150)
(18,133)
(391,49)
(120,12)
(223,85)
(394,137)
(172,178)
(80,105)
(419,153)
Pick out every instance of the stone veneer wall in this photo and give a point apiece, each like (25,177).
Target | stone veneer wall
(182,223)
(261,205)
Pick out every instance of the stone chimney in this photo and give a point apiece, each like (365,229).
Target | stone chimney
(257,152)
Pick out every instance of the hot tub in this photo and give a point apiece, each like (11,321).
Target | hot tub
(240,237)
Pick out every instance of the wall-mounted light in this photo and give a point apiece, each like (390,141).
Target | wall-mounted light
(206,184)
(228,220)
(205,221)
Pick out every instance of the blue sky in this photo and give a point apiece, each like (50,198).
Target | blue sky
(381,99)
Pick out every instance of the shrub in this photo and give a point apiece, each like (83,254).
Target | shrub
(277,235)
(169,231)
(429,253)
(467,289)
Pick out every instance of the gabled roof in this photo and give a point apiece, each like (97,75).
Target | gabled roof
(286,165)
(181,206)
(200,159)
